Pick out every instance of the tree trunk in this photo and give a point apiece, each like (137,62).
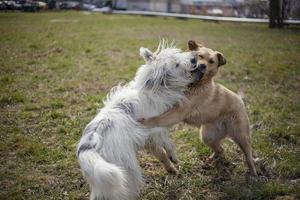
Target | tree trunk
(276,13)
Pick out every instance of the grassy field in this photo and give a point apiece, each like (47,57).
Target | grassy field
(55,69)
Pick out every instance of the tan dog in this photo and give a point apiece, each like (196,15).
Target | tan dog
(217,111)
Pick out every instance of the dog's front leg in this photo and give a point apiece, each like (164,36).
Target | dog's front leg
(173,116)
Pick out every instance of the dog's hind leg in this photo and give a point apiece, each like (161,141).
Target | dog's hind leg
(169,146)
(242,139)
(244,143)
(240,133)
(160,153)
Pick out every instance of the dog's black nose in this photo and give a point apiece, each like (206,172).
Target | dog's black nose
(193,61)
(201,67)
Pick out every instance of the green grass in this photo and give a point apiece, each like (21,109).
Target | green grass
(55,69)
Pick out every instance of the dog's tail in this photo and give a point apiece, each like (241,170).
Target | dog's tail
(107,180)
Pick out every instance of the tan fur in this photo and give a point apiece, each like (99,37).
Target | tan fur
(217,111)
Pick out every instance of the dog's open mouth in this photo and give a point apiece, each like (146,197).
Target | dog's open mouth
(198,74)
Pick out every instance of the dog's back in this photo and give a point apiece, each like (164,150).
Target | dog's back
(211,103)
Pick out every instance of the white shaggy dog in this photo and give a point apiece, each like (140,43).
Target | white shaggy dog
(107,151)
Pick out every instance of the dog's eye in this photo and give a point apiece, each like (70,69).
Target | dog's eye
(211,61)
(200,56)
(177,65)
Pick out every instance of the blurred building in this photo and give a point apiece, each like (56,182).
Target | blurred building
(203,7)
(256,8)
(151,5)
(208,7)
(228,8)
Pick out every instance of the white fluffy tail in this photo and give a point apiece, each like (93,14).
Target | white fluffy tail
(107,180)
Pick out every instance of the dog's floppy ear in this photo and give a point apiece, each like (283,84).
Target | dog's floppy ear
(193,46)
(221,59)
(146,54)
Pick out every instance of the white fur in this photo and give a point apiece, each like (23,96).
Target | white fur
(107,150)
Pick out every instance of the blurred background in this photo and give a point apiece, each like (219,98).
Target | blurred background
(285,9)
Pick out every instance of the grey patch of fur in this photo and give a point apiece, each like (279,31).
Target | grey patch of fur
(101,198)
(149,83)
(100,128)
(85,147)
(127,108)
